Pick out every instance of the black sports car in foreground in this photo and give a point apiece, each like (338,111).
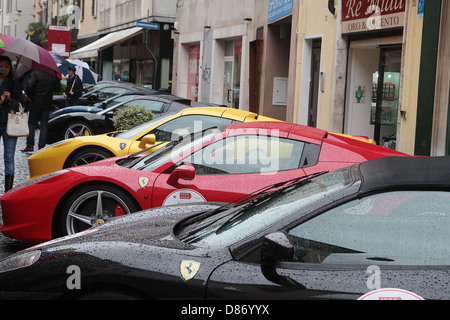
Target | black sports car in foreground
(338,235)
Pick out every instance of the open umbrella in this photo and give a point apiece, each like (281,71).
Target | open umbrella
(59,59)
(5,41)
(27,55)
(82,69)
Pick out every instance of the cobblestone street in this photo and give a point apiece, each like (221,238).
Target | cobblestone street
(9,246)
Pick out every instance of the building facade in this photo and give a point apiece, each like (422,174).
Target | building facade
(108,38)
(236,53)
(15,16)
(211,51)
(351,67)
(375,68)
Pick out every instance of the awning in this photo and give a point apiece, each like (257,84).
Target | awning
(91,50)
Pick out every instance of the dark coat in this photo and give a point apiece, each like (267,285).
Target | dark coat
(40,87)
(17,96)
(77,87)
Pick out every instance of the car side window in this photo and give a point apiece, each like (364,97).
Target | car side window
(393,228)
(111,92)
(153,106)
(186,125)
(247,154)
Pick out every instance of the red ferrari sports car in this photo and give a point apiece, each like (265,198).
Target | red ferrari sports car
(218,166)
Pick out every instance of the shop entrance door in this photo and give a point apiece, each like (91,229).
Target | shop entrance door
(385,96)
(228,82)
(314,84)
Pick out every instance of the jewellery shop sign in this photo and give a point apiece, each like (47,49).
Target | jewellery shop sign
(360,16)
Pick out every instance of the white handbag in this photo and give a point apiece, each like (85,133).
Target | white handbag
(17,125)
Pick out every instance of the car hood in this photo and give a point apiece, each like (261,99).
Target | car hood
(82,109)
(73,109)
(152,227)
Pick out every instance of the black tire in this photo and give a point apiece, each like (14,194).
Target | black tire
(84,212)
(85,156)
(77,129)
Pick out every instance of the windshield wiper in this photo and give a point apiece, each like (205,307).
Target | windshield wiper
(247,201)
(268,193)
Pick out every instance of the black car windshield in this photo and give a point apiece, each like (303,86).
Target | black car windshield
(113,101)
(172,150)
(142,128)
(211,232)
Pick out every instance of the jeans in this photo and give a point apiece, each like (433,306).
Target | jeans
(9,149)
(42,115)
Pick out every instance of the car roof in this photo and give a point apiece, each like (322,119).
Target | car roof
(405,172)
(130,86)
(236,114)
(283,129)
(170,97)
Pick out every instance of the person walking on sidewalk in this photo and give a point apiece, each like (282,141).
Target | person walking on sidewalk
(39,90)
(10,97)
(74,88)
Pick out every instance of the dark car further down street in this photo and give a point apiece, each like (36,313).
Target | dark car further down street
(99,106)
(102,91)
(318,237)
(87,123)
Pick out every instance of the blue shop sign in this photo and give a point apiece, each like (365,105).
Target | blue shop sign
(279,9)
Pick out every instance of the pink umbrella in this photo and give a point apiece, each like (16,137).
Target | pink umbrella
(5,41)
(27,55)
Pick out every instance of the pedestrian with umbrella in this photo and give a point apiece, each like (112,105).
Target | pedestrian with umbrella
(10,96)
(29,56)
(74,88)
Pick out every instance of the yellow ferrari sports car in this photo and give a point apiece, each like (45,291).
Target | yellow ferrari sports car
(83,150)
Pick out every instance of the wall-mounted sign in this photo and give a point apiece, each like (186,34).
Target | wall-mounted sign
(148,25)
(372,15)
(279,9)
(420,9)
(59,38)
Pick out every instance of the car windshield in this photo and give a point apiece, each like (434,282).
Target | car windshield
(141,128)
(97,87)
(233,225)
(172,150)
(113,101)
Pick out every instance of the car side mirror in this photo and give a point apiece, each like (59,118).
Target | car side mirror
(185,172)
(109,115)
(277,247)
(147,140)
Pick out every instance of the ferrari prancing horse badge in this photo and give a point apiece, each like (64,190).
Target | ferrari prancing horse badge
(189,269)
(143,182)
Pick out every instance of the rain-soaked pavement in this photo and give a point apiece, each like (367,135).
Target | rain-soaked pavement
(10,246)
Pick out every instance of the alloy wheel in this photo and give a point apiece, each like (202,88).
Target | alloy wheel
(94,208)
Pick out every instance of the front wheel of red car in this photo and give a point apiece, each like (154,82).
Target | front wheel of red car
(92,206)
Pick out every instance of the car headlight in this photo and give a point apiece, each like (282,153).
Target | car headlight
(20,260)
(39,179)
